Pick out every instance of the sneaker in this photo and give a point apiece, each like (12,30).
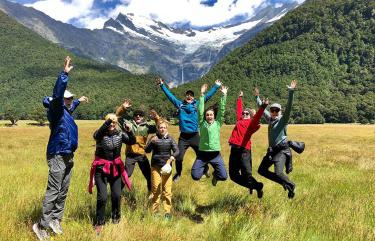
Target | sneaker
(98,229)
(214,181)
(56,226)
(207,172)
(40,232)
(176,178)
(167,216)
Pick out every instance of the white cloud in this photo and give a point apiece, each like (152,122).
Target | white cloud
(170,11)
(167,11)
(63,11)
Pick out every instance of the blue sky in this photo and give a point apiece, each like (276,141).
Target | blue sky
(93,13)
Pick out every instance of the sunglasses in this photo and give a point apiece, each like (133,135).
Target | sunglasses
(245,113)
(274,110)
(136,115)
(70,98)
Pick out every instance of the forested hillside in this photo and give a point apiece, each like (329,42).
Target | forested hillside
(328,46)
(30,64)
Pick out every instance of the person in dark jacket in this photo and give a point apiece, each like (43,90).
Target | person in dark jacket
(109,168)
(188,122)
(240,161)
(164,151)
(278,151)
(63,141)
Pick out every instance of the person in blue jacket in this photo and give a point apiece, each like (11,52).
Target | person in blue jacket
(63,141)
(188,122)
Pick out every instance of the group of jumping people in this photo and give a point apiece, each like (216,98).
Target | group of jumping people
(199,129)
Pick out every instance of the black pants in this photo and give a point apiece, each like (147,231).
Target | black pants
(240,166)
(278,158)
(185,141)
(144,165)
(101,180)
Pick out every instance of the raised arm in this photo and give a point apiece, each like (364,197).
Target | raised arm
(176,102)
(154,116)
(258,101)
(256,119)
(201,103)
(75,103)
(223,101)
(239,107)
(285,118)
(213,90)
(120,111)
(56,106)
(99,134)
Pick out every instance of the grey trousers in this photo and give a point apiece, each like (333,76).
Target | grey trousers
(60,172)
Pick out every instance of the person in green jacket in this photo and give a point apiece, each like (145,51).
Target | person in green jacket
(278,150)
(209,143)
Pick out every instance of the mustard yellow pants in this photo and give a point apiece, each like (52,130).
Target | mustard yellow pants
(161,189)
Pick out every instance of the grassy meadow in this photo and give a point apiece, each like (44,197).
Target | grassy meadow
(335,198)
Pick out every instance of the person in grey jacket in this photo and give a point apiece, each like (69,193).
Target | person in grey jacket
(278,149)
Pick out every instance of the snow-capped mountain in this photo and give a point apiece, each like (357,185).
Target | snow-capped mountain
(140,45)
(190,40)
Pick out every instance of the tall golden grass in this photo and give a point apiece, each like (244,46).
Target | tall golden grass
(335,197)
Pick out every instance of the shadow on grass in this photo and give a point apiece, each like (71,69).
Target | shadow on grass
(228,204)
(179,210)
(33,215)
(37,124)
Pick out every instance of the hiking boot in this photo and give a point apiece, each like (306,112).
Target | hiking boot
(214,181)
(291,191)
(167,216)
(206,172)
(176,177)
(260,190)
(40,232)
(56,226)
(98,229)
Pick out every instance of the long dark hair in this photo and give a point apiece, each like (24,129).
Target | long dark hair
(214,108)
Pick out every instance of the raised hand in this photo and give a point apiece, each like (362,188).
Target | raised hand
(153,114)
(224,90)
(126,104)
(67,67)
(265,103)
(159,81)
(204,88)
(128,127)
(256,91)
(292,85)
(218,82)
(240,94)
(83,99)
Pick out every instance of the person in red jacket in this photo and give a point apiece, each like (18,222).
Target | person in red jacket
(240,161)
